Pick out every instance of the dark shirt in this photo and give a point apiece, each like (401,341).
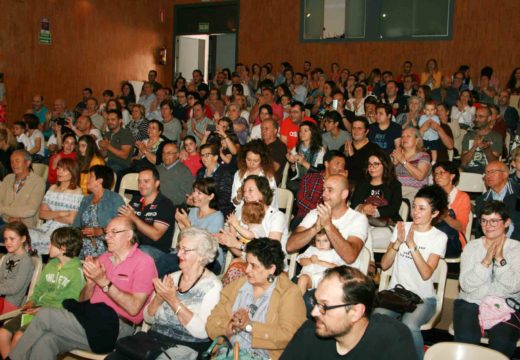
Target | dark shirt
(442,152)
(278,151)
(117,140)
(310,194)
(391,192)
(5,161)
(385,138)
(384,338)
(181,112)
(357,163)
(447,96)
(223,176)
(160,210)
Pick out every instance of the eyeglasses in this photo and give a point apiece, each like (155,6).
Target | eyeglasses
(493,172)
(440,173)
(374,165)
(492,222)
(324,308)
(206,155)
(113,232)
(170,152)
(184,250)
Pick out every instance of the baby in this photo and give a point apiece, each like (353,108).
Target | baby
(431,137)
(315,260)
(250,226)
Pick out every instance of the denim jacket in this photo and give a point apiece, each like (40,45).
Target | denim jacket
(107,208)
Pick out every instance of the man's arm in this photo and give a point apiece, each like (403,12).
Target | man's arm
(154,231)
(123,153)
(348,249)
(301,237)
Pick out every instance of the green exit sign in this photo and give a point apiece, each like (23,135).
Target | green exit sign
(204,27)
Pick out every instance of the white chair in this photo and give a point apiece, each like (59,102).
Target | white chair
(468,227)
(461,351)
(450,154)
(112,188)
(439,279)
(507,143)
(176,233)
(128,182)
(41,170)
(292,264)
(404,210)
(285,176)
(87,354)
(364,257)
(383,233)
(470,182)
(285,201)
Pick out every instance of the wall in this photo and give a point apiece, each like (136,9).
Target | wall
(484,34)
(95,43)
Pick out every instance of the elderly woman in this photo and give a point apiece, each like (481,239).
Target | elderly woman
(446,175)
(490,273)
(412,164)
(414,253)
(96,210)
(59,206)
(262,311)
(138,124)
(183,300)
(411,118)
(357,103)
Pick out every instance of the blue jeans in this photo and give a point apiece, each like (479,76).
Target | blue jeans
(502,337)
(414,320)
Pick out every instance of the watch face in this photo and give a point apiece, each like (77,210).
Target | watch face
(503,262)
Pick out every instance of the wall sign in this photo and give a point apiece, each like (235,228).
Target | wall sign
(45,32)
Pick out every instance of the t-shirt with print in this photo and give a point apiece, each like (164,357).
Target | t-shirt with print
(290,130)
(405,271)
(479,161)
(161,210)
(385,139)
(352,223)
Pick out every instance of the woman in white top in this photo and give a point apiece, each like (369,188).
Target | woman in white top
(414,252)
(464,111)
(36,140)
(357,103)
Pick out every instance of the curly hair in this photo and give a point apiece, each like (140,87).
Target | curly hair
(257,147)
(268,252)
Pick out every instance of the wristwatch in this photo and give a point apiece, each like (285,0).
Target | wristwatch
(503,262)
(106,287)
(249,328)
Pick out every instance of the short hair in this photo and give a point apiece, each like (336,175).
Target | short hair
(408,62)
(88,89)
(93,99)
(268,88)
(208,186)
(334,116)
(450,167)
(72,167)
(386,107)
(206,246)
(70,238)
(155,172)
(198,103)
(152,72)
(197,71)
(167,102)
(214,148)
(160,125)
(495,207)
(20,123)
(267,107)
(117,112)
(371,100)
(263,186)
(357,287)
(515,154)
(31,121)
(268,252)
(108,92)
(362,119)
(416,98)
(437,198)
(253,212)
(26,155)
(299,104)
(104,173)
(331,154)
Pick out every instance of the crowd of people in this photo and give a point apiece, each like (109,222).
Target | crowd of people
(209,158)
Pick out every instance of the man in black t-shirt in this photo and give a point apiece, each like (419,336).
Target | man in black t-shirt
(343,327)
(277,149)
(385,133)
(152,214)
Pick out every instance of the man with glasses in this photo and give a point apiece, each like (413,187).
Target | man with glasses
(181,107)
(152,214)
(121,279)
(446,93)
(496,178)
(481,145)
(343,327)
(290,126)
(176,178)
(334,137)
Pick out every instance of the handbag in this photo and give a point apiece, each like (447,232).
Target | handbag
(494,310)
(398,299)
(144,345)
(221,349)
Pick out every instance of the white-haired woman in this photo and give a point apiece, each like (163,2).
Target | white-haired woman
(183,300)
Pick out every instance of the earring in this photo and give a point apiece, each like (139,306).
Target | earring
(270,278)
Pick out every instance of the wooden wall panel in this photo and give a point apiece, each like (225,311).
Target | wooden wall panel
(95,43)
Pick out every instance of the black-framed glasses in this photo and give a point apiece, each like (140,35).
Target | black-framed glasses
(492,222)
(113,232)
(324,308)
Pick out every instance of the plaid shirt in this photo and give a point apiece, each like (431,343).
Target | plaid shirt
(311,191)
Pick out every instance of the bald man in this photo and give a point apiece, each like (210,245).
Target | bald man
(496,177)
(346,228)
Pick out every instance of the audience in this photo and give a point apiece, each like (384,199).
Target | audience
(88,155)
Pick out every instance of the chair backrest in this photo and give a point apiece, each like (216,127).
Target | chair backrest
(404,210)
(468,227)
(176,233)
(38,266)
(285,176)
(292,264)
(364,258)
(112,188)
(507,143)
(470,182)
(285,201)
(458,351)
(128,182)
(41,170)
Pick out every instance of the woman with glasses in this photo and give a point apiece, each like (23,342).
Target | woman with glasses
(414,252)
(490,266)
(262,310)
(379,197)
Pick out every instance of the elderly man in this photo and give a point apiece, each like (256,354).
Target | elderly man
(91,110)
(59,113)
(22,191)
(38,108)
(346,228)
(119,283)
(176,178)
(84,126)
(277,149)
(496,177)
(344,327)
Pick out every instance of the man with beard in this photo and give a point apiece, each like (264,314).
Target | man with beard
(343,327)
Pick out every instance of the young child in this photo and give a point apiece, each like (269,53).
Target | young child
(17,267)
(62,278)
(514,177)
(285,100)
(431,137)
(250,226)
(21,137)
(315,260)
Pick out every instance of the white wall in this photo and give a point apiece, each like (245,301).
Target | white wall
(191,54)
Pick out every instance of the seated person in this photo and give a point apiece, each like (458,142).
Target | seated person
(36,139)
(344,325)
(514,177)
(67,152)
(21,192)
(119,283)
(117,147)
(59,206)
(182,301)
(414,252)
(430,136)
(318,257)
(489,272)
(88,156)
(262,311)
(61,279)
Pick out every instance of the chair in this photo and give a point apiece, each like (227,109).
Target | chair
(87,354)
(292,264)
(439,279)
(41,170)
(507,143)
(364,258)
(468,227)
(176,233)
(128,182)
(404,210)
(470,182)
(285,176)
(285,201)
(112,188)
(461,351)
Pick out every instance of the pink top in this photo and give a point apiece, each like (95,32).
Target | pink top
(193,163)
(133,275)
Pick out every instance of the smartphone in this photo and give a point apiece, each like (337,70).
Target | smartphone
(335,104)
(211,128)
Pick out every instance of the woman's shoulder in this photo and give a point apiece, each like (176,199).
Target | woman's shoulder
(285,285)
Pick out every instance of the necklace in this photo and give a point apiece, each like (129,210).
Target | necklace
(191,287)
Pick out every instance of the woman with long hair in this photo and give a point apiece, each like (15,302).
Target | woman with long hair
(128,92)
(431,75)
(88,156)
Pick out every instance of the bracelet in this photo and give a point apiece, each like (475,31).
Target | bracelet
(396,250)
(178,309)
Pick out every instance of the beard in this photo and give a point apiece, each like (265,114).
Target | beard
(338,329)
